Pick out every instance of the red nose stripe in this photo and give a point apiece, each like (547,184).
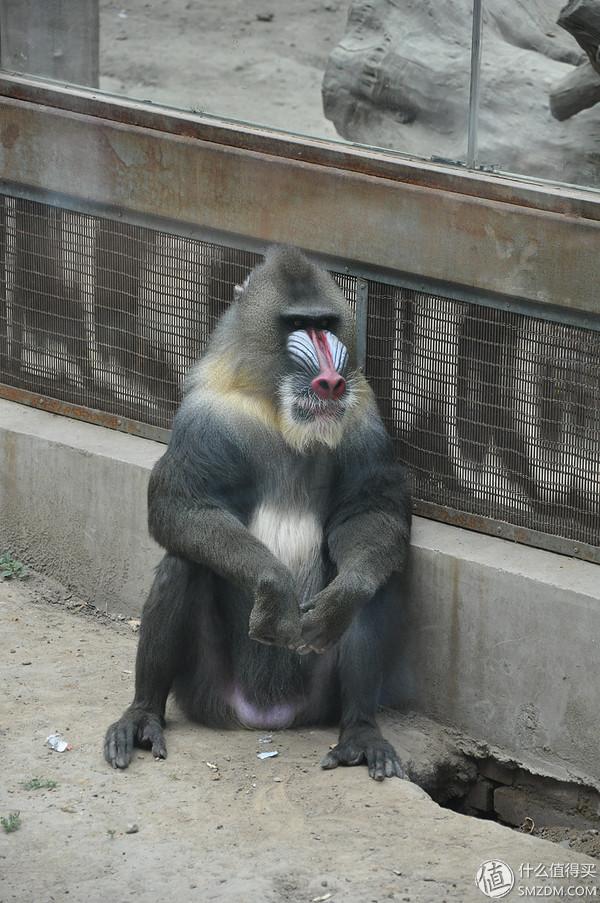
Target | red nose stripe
(321,343)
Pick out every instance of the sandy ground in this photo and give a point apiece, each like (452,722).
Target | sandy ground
(274,830)
(226,57)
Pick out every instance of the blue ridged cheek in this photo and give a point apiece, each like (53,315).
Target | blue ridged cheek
(303,352)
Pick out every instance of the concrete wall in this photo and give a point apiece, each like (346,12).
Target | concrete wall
(504,642)
(500,640)
(73,504)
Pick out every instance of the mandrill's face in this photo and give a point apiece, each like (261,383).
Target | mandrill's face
(318,391)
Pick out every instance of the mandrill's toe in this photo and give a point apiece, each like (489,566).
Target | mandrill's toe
(150,736)
(136,727)
(369,747)
(118,743)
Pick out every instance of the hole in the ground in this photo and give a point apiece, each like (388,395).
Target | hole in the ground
(561,812)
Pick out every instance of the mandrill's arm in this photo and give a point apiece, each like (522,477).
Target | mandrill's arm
(367,534)
(197,496)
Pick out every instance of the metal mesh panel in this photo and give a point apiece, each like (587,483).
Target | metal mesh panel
(105,314)
(497,414)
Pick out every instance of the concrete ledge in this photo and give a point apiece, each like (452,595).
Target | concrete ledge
(73,504)
(500,640)
(503,641)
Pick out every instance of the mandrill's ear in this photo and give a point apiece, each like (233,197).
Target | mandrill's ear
(238,290)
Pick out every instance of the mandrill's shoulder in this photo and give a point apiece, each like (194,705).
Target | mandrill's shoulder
(216,391)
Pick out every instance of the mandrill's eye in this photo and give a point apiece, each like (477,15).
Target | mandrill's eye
(297,324)
(323,324)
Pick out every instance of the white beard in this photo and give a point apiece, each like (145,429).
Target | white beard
(319,430)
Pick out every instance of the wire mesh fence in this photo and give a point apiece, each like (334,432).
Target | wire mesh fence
(497,414)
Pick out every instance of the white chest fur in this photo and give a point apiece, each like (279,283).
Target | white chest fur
(293,536)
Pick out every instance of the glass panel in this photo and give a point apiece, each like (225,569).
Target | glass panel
(385,74)
(393,75)
(535,82)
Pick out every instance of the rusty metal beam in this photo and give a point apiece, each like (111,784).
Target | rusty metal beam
(545,254)
(511,532)
(385,164)
(80,412)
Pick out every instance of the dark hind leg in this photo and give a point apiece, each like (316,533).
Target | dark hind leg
(161,653)
(362,655)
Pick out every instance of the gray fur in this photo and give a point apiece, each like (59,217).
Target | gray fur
(284,521)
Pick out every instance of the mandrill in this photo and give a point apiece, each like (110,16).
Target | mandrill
(284,519)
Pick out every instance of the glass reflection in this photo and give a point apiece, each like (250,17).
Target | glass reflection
(393,74)
(529,62)
(399,78)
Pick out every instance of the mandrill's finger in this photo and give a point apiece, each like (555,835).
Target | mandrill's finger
(118,745)
(125,734)
(265,639)
(153,738)
(399,771)
(314,636)
(377,766)
(110,748)
(159,749)
(307,605)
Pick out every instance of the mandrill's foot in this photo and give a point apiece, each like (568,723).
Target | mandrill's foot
(365,744)
(136,727)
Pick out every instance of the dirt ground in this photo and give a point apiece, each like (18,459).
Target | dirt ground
(261,61)
(248,830)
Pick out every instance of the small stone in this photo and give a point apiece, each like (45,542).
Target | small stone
(265,17)
(132,829)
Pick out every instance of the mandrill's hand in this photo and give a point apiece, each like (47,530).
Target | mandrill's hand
(275,617)
(330,613)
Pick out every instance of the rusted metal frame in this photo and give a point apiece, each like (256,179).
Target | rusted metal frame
(362,313)
(379,162)
(511,532)
(382,224)
(270,198)
(362,271)
(81,412)
(441,238)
